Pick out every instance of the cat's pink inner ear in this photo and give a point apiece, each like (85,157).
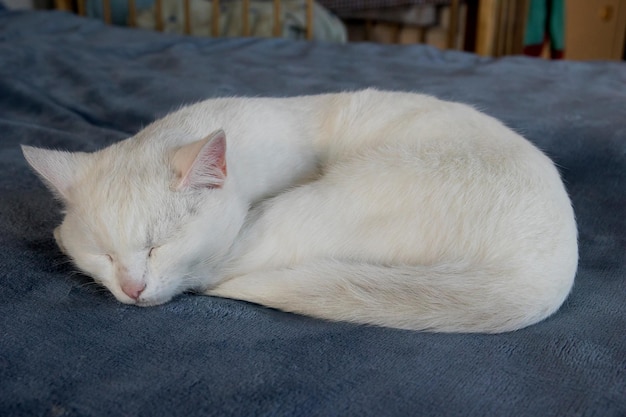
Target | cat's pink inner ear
(202,164)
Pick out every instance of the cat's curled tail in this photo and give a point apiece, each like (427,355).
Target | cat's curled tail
(444,298)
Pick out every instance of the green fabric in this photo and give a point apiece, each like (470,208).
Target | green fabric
(536,27)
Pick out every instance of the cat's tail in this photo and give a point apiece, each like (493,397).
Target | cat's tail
(444,298)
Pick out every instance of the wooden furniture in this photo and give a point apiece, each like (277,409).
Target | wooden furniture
(500,28)
(454,25)
(595,29)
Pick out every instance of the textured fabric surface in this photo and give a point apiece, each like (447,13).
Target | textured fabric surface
(69,349)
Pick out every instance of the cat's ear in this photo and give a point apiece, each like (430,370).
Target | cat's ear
(201,164)
(57,169)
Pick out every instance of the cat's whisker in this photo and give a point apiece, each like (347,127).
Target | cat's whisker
(61,262)
(89,284)
(191,281)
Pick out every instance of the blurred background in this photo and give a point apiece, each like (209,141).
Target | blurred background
(550,29)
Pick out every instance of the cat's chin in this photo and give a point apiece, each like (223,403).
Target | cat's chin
(144,303)
(150,303)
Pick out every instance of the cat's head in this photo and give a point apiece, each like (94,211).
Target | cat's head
(145,221)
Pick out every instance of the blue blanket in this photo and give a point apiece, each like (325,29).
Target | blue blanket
(69,349)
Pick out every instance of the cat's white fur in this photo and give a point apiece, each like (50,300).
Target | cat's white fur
(385,208)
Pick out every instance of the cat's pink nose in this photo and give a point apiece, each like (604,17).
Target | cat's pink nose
(133,289)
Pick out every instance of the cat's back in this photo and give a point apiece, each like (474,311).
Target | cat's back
(352,123)
(410,153)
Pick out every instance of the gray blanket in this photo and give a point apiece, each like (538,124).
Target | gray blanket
(68,348)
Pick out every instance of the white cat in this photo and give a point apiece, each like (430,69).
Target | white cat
(374,207)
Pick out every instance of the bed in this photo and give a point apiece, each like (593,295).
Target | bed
(67,348)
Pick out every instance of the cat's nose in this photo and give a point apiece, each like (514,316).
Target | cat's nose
(133,289)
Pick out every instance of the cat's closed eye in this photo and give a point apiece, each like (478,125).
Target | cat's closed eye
(109,257)
(151,252)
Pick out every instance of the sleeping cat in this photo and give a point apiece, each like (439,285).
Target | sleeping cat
(373,207)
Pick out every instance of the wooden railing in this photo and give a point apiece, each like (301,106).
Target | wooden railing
(501,26)
(215,15)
